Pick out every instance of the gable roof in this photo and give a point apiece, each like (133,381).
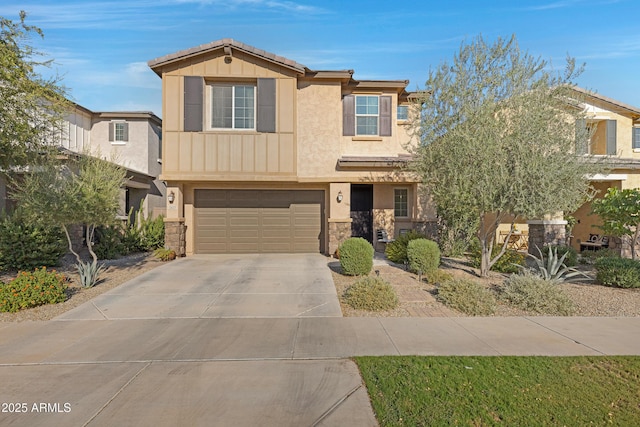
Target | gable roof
(616,106)
(228,45)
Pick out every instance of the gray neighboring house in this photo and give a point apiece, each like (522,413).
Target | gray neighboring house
(132,138)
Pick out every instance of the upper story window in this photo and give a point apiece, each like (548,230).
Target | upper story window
(401,202)
(636,138)
(366,115)
(118,132)
(233,106)
(403,113)
(367,110)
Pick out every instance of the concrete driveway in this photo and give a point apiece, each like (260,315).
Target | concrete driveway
(222,286)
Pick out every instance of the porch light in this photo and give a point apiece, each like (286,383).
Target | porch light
(171,197)
(339,198)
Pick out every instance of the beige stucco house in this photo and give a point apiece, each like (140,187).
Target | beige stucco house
(262,154)
(131,139)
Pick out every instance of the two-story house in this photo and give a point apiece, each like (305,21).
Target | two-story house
(262,154)
(131,139)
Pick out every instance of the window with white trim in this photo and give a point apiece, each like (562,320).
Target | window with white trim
(403,113)
(118,132)
(233,106)
(401,202)
(367,111)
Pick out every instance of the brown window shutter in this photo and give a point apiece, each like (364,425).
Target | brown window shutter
(266,104)
(349,115)
(125,136)
(193,100)
(611,137)
(112,131)
(385,116)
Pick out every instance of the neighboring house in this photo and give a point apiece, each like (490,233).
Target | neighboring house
(617,139)
(262,154)
(134,141)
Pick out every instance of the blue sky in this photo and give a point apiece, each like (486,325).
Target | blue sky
(102,47)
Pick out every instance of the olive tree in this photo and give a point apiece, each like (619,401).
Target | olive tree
(497,140)
(83,189)
(31,106)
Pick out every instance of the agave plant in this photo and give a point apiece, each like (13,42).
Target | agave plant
(89,272)
(553,269)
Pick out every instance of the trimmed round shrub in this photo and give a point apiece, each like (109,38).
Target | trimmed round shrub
(371,293)
(423,255)
(467,296)
(396,251)
(619,272)
(31,289)
(533,293)
(356,256)
(26,246)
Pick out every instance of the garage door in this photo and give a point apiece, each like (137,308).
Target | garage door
(255,221)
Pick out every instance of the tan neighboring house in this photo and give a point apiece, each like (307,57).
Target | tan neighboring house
(133,138)
(262,154)
(617,139)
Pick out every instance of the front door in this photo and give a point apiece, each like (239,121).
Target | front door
(362,211)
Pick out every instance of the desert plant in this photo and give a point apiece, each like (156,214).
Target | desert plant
(619,272)
(438,276)
(467,296)
(590,257)
(89,272)
(396,251)
(531,292)
(371,293)
(552,269)
(572,255)
(24,246)
(31,289)
(165,254)
(152,232)
(356,256)
(108,243)
(423,255)
(507,263)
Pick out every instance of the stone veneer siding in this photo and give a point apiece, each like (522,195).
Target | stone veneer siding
(542,233)
(338,233)
(175,236)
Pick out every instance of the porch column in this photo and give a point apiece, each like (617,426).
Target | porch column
(548,231)
(174,226)
(339,228)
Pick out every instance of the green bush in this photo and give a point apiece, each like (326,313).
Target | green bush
(508,262)
(109,242)
(571,259)
(467,296)
(423,255)
(396,251)
(152,231)
(371,293)
(356,256)
(32,289)
(620,272)
(590,257)
(24,246)
(438,276)
(530,292)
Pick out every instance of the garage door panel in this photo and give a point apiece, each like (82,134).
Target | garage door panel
(251,221)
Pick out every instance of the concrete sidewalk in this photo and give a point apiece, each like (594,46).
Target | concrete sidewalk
(278,371)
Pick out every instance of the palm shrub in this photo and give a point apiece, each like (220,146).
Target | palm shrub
(371,293)
(467,296)
(356,256)
(24,245)
(423,255)
(619,272)
(396,251)
(531,292)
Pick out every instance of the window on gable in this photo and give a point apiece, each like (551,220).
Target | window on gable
(401,202)
(233,106)
(403,112)
(118,132)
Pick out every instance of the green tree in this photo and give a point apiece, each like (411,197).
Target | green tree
(31,106)
(497,140)
(85,189)
(619,211)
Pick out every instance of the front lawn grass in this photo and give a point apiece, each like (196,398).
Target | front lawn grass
(508,391)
